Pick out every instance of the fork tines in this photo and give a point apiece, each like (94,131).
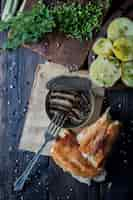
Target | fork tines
(56,124)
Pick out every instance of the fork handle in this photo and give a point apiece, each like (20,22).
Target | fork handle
(19,183)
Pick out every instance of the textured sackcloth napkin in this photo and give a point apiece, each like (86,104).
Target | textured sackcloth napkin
(37,120)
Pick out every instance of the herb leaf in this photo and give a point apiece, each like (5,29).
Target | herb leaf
(75,20)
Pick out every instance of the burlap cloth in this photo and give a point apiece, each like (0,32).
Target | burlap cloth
(37,120)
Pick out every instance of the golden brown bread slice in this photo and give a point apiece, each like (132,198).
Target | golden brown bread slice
(97,129)
(85,155)
(65,152)
(96,141)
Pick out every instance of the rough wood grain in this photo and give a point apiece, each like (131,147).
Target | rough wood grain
(16,76)
(18,73)
(62,50)
(3,119)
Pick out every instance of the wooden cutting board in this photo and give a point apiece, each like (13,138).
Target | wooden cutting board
(125,10)
(58,48)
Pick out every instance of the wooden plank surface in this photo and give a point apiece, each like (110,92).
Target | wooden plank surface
(17,69)
(16,77)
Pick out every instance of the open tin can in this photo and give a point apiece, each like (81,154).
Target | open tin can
(87,103)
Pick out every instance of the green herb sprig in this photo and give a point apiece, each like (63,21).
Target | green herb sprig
(75,20)
(28,27)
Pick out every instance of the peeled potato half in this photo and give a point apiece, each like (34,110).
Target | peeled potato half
(120,27)
(123,48)
(105,72)
(103,47)
(127,73)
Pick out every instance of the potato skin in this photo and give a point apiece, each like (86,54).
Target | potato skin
(120,27)
(123,48)
(103,47)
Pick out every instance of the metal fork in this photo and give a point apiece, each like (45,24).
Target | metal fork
(51,133)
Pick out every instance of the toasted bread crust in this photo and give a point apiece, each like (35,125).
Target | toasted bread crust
(85,155)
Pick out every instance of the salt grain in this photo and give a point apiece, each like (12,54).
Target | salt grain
(11,86)
(15,171)
(25,110)
(10,121)
(57,44)
(13,64)
(5,89)
(10,148)
(125,161)
(27,156)
(119,105)
(19,101)
(10,68)
(109,185)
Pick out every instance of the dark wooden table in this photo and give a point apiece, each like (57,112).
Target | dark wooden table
(47,180)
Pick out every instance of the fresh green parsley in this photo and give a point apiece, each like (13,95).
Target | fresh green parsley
(75,20)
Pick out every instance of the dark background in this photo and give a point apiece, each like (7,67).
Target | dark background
(47,180)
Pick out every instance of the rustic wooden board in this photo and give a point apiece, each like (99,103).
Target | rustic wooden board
(17,70)
(58,48)
(126,10)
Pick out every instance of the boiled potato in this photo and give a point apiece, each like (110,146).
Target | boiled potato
(105,72)
(127,73)
(103,47)
(120,27)
(123,48)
